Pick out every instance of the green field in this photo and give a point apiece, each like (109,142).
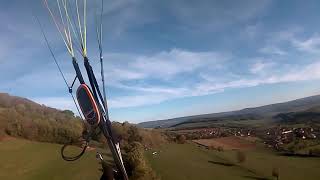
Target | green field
(190,162)
(22,159)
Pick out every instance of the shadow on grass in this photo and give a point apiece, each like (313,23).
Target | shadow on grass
(221,163)
(254,176)
(257,178)
(298,155)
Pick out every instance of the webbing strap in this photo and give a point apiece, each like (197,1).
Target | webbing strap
(87,138)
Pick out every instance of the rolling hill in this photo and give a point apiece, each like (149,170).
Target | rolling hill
(256,113)
(24,118)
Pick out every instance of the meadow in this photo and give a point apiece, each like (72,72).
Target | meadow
(28,160)
(24,159)
(227,143)
(189,161)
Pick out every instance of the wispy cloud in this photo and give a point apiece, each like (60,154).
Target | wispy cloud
(309,72)
(311,45)
(165,65)
(260,67)
(295,38)
(178,73)
(272,50)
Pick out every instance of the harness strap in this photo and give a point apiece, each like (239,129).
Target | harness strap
(87,138)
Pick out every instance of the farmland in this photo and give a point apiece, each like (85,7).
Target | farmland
(22,159)
(34,160)
(228,143)
(189,161)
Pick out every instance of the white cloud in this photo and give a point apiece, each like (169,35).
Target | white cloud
(272,50)
(129,73)
(125,68)
(170,63)
(159,94)
(308,72)
(163,65)
(310,45)
(260,67)
(117,74)
(291,38)
(285,35)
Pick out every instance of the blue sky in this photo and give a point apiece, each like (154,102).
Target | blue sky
(166,59)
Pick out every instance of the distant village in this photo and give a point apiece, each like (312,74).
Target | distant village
(273,137)
(276,137)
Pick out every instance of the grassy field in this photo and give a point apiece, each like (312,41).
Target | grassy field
(24,160)
(190,162)
(21,159)
(227,143)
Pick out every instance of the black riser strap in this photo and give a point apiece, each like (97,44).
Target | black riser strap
(77,69)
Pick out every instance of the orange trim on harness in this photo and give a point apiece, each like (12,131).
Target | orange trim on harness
(93,103)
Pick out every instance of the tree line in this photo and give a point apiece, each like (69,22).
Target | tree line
(23,118)
(20,117)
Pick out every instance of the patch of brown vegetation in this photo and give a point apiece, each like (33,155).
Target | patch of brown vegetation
(228,143)
(250,139)
(6,138)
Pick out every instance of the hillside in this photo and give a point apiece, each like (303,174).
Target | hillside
(23,104)
(257,113)
(21,117)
